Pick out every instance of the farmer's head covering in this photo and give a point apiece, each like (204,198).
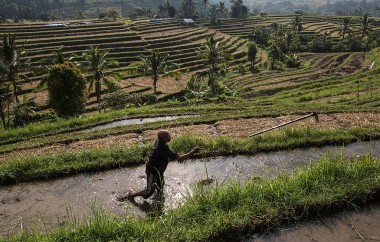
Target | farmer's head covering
(163,136)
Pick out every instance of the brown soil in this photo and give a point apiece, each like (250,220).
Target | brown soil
(234,128)
(165,85)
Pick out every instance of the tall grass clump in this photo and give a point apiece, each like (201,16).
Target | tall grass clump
(234,210)
(67,163)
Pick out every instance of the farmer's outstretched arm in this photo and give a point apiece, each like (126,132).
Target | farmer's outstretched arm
(188,155)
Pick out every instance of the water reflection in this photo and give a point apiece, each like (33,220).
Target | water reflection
(133,121)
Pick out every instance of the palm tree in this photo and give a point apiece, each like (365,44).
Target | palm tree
(154,65)
(10,58)
(214,54)
(364,23)
(297,24)
(95,62)
(222,9)
(274,54)
(345,27)
(188,8)
(205,2)
(5,94)
(251,54)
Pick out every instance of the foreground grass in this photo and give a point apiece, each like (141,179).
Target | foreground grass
(231,212)
(63,164)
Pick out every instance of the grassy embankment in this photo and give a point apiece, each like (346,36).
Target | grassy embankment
(63,164)
(231,212)
(286,98)
(284,101)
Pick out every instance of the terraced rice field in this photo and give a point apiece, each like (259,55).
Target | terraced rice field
(312,25)
(338,86)
(124,44)
(329,81)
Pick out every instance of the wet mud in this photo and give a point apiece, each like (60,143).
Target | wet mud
(55,203)
(350,226)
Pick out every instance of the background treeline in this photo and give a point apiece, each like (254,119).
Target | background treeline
(62,9)
(351,7)
(29,9)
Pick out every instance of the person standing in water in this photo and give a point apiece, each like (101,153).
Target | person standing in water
(156,165)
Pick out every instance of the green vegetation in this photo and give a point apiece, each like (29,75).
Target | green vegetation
(95,63)
(154,65)
(333,78)
(66,87)
(10,76)
(49,166)
(213,52)
(233,211)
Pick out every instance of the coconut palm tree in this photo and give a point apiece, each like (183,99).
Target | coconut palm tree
(222,9)
(251,54)
(188,8)
(274,54)
(297,24)
(154,65)
(205,2)
(5,94)
(345,27)
(95,62)
(364,23)
(213,52)
(10,57)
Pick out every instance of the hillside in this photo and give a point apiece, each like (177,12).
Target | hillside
(325,82)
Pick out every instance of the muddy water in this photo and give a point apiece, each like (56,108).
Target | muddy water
(360,225)
(126,122)
(49,202)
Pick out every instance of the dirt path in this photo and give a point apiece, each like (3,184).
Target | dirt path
(234,128)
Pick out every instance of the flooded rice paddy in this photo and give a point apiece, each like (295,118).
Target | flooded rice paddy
(53,203)
(132,121)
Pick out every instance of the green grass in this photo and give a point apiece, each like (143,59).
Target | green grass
(231,212)
(20,169)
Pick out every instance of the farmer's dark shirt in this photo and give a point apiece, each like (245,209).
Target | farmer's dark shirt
(159,158)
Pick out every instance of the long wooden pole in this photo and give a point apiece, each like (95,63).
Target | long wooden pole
(313,114)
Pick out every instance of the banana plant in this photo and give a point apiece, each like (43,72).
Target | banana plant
(95,62)
(156,64)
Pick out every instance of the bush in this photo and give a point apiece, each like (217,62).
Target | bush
(119,100)
(112,86)
(260,35)
(66,86)
(292,61)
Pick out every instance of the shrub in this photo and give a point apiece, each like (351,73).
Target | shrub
(24,112)
(119,100)
(292,61)
(112,86)
(260,35)
(66,86)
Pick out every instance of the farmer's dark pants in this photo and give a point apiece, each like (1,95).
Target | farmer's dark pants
(154,182)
